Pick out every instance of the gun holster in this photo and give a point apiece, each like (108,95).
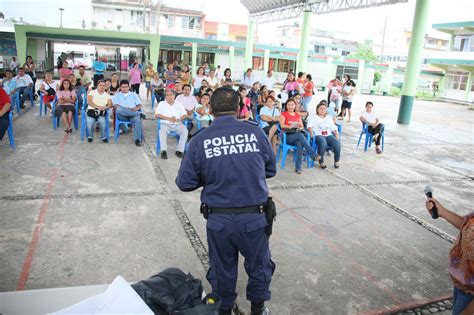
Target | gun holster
(270,213)
(205,211)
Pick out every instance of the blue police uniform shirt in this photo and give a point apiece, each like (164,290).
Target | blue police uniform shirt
(231,159)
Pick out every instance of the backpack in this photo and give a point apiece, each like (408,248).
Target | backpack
(174,292)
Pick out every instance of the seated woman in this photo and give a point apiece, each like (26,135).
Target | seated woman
(64,72)
(374,126)
(244,104)
(291,124)
(98,101)
(323,128)
(76,86)
(203,110)
(48,88)
(262,97)
(66,99)
(270,117)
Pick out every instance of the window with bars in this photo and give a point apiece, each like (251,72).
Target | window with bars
(457,80)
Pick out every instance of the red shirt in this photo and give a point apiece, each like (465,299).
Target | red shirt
(4,98)
(308,87)
(290,119)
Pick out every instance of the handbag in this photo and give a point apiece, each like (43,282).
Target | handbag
(95,113)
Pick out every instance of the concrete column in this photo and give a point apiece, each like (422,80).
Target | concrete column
(194,55)
(154,49)
(331,71)
(468,86)
(249,45)
(412,71)
(360,76)
(302,62)
(231,59)
(266,61)
(388,78)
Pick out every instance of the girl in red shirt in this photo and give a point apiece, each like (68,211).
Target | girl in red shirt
(291,124)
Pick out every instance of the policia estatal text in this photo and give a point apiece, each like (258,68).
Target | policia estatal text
(231,161)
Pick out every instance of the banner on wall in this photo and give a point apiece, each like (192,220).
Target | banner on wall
(7,47)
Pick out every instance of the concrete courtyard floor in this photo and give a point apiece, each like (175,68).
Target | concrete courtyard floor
(356,240)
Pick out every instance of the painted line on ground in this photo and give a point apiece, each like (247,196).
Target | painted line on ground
(397,209)
(25,270)
(336,250)
(393,309)
(183,218)
(86,195)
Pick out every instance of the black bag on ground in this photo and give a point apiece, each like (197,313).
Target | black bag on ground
(174,292)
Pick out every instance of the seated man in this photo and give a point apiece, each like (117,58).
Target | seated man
(189,102)
(172,115)
(374,126)
(23,85)
(129,105)
(270,116)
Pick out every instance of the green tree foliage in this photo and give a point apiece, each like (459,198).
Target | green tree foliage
(365,52)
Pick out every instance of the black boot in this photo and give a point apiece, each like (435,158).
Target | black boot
(259,309)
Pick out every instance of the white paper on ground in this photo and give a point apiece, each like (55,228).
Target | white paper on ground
(119,298)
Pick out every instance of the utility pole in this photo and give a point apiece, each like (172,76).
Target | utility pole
(61,10)
(383,38)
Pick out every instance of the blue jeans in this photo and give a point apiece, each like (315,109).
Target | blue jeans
(461,300)
(90,127)
(126,114)
(24,92)
(4,123)
(323,143)
(306,101)
(298,139)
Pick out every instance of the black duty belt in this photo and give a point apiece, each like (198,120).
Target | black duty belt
(251,209)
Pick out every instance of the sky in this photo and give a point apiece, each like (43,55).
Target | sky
(357,25)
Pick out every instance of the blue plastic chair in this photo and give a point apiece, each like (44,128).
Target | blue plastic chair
(368,137)
(284,148)
(16,102)
(55,120)
(10,130)
(198,122)
(41,105)
(84,131)
(119,122)
(170,134)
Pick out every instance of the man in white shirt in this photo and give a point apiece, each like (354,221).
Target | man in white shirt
(23,85)
(189,102)
(374,126)
(248,79)
(14,65)
(172,115)
(268,80)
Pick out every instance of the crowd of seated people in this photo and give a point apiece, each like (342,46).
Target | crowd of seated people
(183,96)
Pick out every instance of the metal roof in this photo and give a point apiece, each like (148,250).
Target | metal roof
(274,10)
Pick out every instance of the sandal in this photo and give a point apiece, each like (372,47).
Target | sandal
(298,171)
(336,164)
(322,165)
(378,151)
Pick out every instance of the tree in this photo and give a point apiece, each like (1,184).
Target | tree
(364,51)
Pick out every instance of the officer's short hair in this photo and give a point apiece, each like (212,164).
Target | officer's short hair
(224,101)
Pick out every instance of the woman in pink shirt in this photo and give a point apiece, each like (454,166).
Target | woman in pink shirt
(66,99)
(291,86)
(64,72)
(244,104)
(135,77)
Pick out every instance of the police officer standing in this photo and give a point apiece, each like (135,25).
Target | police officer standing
(231,160)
